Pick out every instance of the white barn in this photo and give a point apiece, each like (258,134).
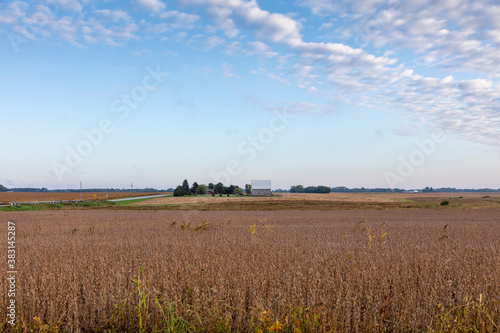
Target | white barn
(261,187)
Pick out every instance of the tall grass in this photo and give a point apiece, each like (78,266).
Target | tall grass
(343,271)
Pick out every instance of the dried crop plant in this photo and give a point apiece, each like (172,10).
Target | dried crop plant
(305,271)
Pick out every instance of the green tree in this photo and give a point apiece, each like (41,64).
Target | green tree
(185,186)
(3,188)
(323,189)
(237,191)
(230,189)
(219,188)
(194,187)
(211,186)
(179,192)
(297,189)
(202,189)
(248,189)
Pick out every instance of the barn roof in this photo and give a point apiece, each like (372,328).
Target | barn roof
(261,184)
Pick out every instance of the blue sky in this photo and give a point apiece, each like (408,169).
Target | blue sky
(340,93)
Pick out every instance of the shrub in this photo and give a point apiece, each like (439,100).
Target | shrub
(179,192)
(445,203)
(202,189)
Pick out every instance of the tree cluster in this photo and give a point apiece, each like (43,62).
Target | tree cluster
(202,189)
(310,189)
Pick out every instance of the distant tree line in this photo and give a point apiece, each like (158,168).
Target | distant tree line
(452,189)
(201,189)
(29,189)
(343,189)
(426,189)
(310,189)
(219,188)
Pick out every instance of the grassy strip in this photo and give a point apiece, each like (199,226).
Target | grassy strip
(56,206)
(133,201)
(20,208)
(76,205)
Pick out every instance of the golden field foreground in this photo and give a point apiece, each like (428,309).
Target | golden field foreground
(357,270)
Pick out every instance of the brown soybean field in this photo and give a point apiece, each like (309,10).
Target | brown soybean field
(402,269)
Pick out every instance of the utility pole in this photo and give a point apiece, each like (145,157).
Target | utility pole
(80,190)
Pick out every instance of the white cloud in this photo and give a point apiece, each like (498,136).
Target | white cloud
(113,15)
(89,39)
(274,27)
(180,36)
(23,32)
(153,5)
(66,5)
(226,70)
(17,9)
(158,28)
(300,108)
(221,17)
(476,85)
(456,35)
(356,74)
(141,53)
(213,41)
(326,26)
(233,48)
(97,26)
(453,35)
(320,7)
(13,12)
(179,17)
(95,31)
(303,70)
(494,35)
(260,48)
(65,28)
(7,19)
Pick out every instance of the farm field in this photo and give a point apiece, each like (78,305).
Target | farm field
(332,201)
(336,197)
(357,270)
(6,197)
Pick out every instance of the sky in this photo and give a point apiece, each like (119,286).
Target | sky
(146,93)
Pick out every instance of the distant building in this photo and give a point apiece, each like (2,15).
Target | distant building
(261,187)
